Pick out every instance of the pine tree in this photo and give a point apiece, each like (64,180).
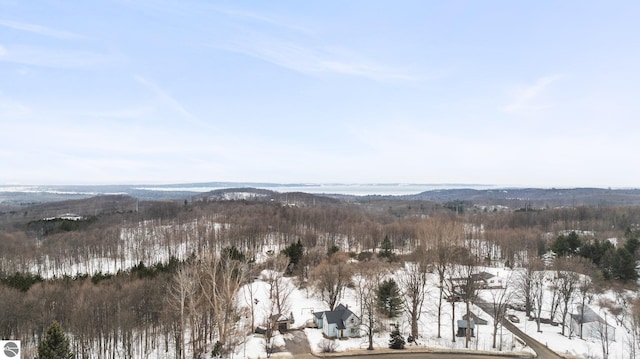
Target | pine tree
(55,344)
(389,299)
(295,251)
(386,249)
(396,340)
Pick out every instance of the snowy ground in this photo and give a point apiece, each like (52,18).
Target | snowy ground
(304,302)
(589,347)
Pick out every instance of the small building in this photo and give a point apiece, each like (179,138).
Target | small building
(488,280)
(281,322)
(463,326)
(317,318)
(496,282)
(591,325)
(482,277)
(475,281)
(475,319)
(338,323)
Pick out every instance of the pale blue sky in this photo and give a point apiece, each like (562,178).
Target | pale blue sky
(513,93)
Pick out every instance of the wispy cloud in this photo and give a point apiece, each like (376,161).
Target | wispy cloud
(372,71)
(44,57)
(123,113)
(526,97)
(313,60)
(41,30)
(169,101)
(263,19)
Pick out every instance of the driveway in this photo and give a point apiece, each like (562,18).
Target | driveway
(541,350)
(297,344)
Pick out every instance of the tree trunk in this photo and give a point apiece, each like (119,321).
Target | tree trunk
(440,308)
(495,330)
(467,337)
(453,321)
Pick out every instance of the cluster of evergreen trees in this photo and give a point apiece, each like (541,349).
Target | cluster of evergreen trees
(616,263)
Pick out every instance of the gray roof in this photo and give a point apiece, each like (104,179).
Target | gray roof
(279,318)
(589,316)
(336,316)
(463,324)
(482,275)
(475,319)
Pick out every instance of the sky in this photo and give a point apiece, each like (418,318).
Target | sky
(512,93)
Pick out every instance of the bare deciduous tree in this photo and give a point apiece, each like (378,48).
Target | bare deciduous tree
(438,237)
(537,290)
(331,278)
(368,277)
(182,297)
(469,286)
(279,288)
(567,282)
(413,283)
(251,300)
(524,282)
(500,299)
(220,280)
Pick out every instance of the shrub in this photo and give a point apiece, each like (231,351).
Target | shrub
(396,341)
(327,346)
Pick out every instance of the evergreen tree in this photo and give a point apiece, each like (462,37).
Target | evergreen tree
(595,251)
(566,245)
(55,344)
(625,265)
(386,249)
(619,264)
(560,246)
(632,244)
(295,251)
(396,341)
(574,242)
(389,299)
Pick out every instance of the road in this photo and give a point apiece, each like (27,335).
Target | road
(299,349)
(405,355)
(541,350)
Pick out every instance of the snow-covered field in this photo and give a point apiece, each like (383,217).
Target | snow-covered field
(591,346)
(304,302)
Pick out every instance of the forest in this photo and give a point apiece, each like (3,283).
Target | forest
(132,279)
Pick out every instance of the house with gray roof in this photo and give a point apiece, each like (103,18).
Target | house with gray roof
(590,325)
(338,323)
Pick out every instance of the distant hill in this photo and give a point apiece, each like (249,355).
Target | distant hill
(535,197)
(16,198)
(258,194)
(83,207)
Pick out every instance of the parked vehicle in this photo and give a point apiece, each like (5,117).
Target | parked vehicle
(517,306)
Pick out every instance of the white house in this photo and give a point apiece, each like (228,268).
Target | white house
(593,326)
(496,282)
(338,323)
